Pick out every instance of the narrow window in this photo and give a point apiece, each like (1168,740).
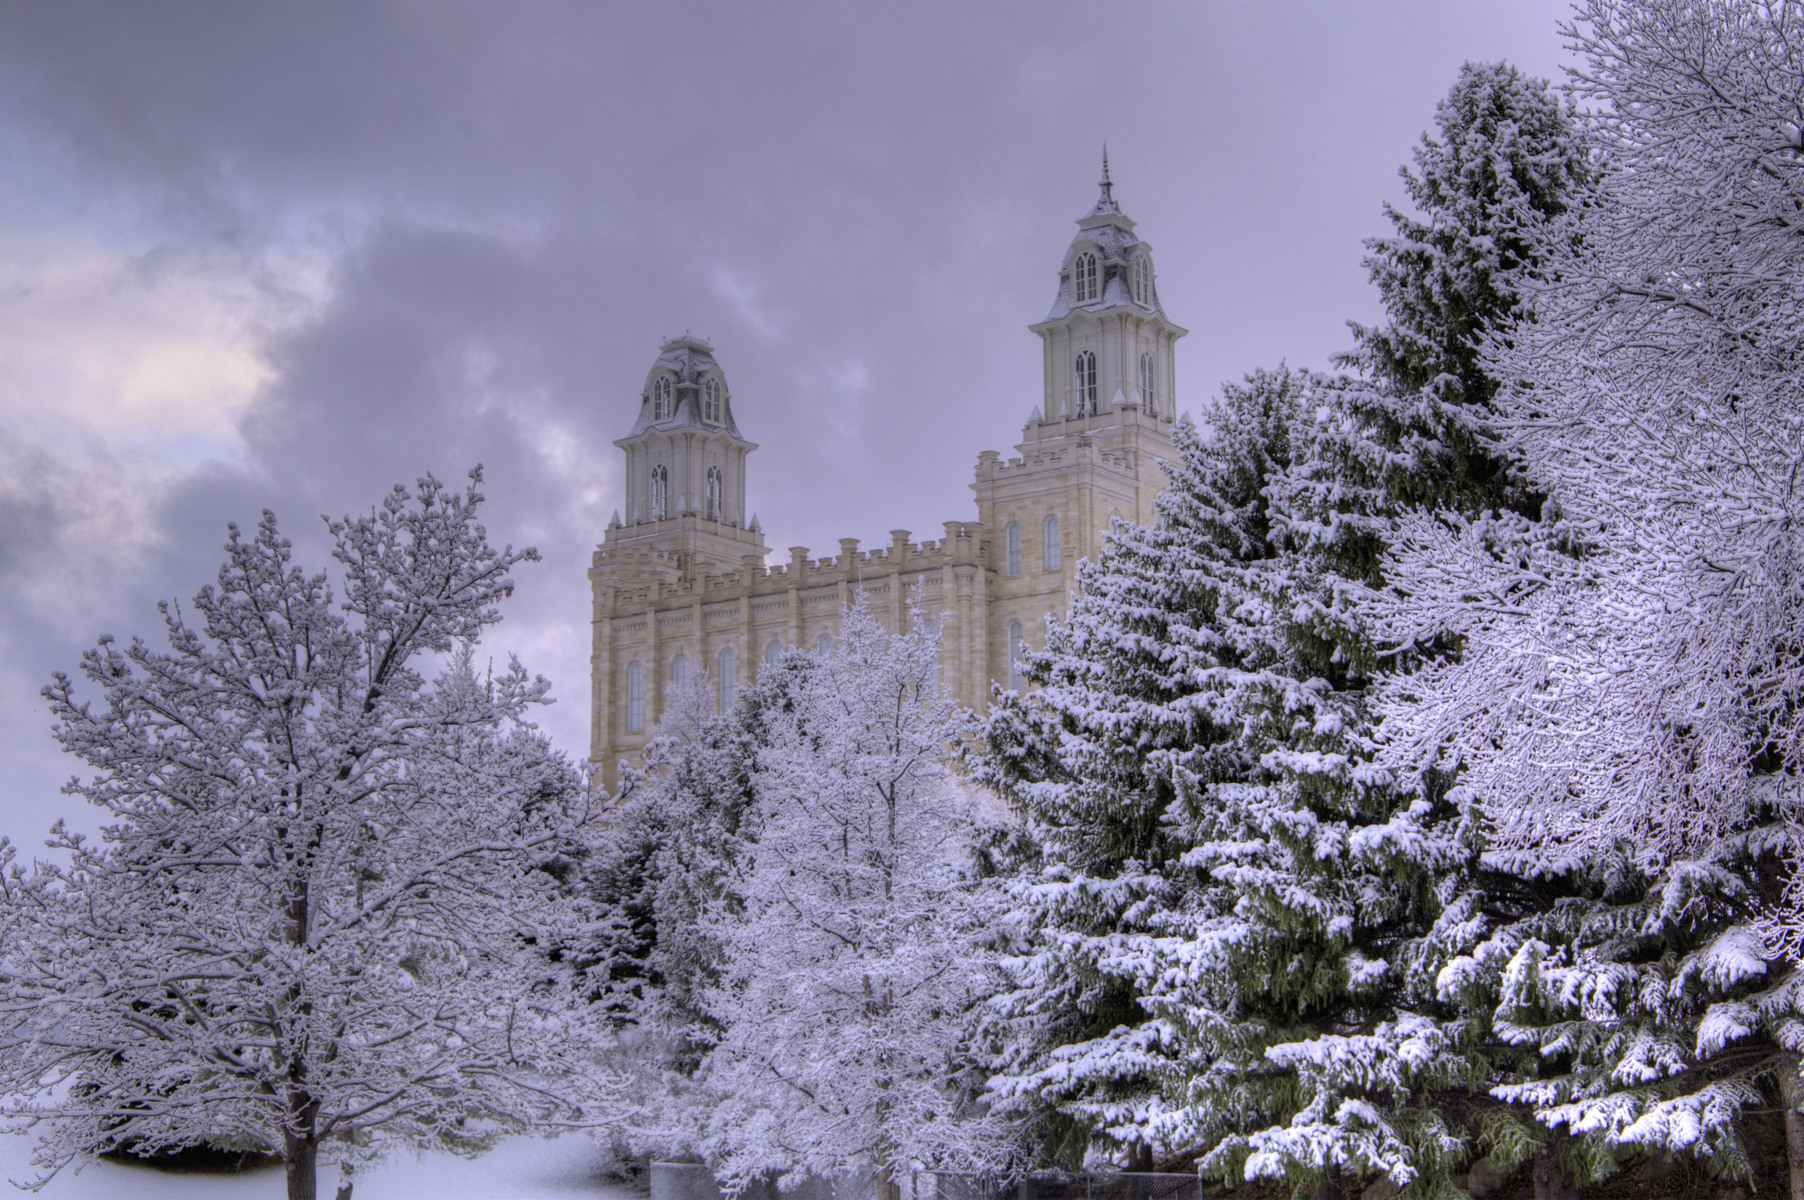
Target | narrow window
(660,493)
(679,671)
(635,697)
(1053,557)
(1083,279)
(1143,280)
(823,645)
(1084,379)
(728,685)
(1014,548)
(660,398)
(716,491)
(711,400)
(1146,382)
(773,653)
(1014,656)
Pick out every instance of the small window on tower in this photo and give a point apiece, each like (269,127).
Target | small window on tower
(660,398)
(1015,652)
(1014,548)
(635,697)
(1146,382)
(1084,385)
(679,671)
(1053,555)
(711,406)
(725,681)
(716,493)
(823,645)
(1143,280)
(773,653)
(1083,279)
(660,493)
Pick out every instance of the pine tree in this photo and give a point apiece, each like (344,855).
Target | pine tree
(1242,913)
(1107,759)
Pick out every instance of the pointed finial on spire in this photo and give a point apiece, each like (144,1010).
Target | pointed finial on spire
(1107,193)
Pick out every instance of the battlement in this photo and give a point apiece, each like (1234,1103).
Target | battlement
(631,578)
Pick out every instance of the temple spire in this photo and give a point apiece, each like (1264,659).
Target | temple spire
(1105,203)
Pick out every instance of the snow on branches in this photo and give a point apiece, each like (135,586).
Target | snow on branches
(853,953)
(1632,664)
(319,914)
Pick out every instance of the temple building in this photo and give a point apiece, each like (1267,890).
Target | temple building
(682,585)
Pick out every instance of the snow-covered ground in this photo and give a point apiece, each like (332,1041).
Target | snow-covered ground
(518,1169)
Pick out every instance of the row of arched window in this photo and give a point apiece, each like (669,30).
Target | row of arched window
(1050,554)
(1083,380)
(726,677)
(663,406)
(1086,280)
(660,493)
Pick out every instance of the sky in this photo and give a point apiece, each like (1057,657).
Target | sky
(285,256)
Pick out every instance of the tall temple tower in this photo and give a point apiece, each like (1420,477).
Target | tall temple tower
(685,468)
(680,586)
(1090,451)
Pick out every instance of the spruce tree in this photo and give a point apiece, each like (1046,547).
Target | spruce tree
(1135,714)
(1235,903)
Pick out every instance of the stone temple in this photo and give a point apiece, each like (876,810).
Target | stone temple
(682,585)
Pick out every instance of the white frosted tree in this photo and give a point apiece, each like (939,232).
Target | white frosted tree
(1627,708)
(855,950)
(317,918)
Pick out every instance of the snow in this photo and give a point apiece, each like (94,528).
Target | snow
(518,1169)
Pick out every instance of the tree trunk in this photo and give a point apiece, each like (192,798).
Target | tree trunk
(301,1159)
(1330,1187)
(887,1187)
(1791,1091)
(1551,1182)
(344,1191)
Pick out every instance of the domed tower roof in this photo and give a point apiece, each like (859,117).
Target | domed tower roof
(1106,265)
(698,395)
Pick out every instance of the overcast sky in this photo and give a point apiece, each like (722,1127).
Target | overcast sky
(275,255)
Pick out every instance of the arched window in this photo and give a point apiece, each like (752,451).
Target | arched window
(773,653)
(660,398)
(716,493)
(1053,557)
(660,493)
(711,400)
(679,671)
(1143,280)
(727,683)
(1146,382)
(635,697)
(1014,548)
(1084,384)
(1083,279)
(823,645)
(1015,679)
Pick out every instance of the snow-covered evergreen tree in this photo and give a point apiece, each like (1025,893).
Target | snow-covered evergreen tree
(1238,915)
(1626,706)
(309,925)
(1135,714)
(854,951)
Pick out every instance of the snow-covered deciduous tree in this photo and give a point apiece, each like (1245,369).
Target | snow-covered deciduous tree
(854,950)
(1628,704)
(318,917)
